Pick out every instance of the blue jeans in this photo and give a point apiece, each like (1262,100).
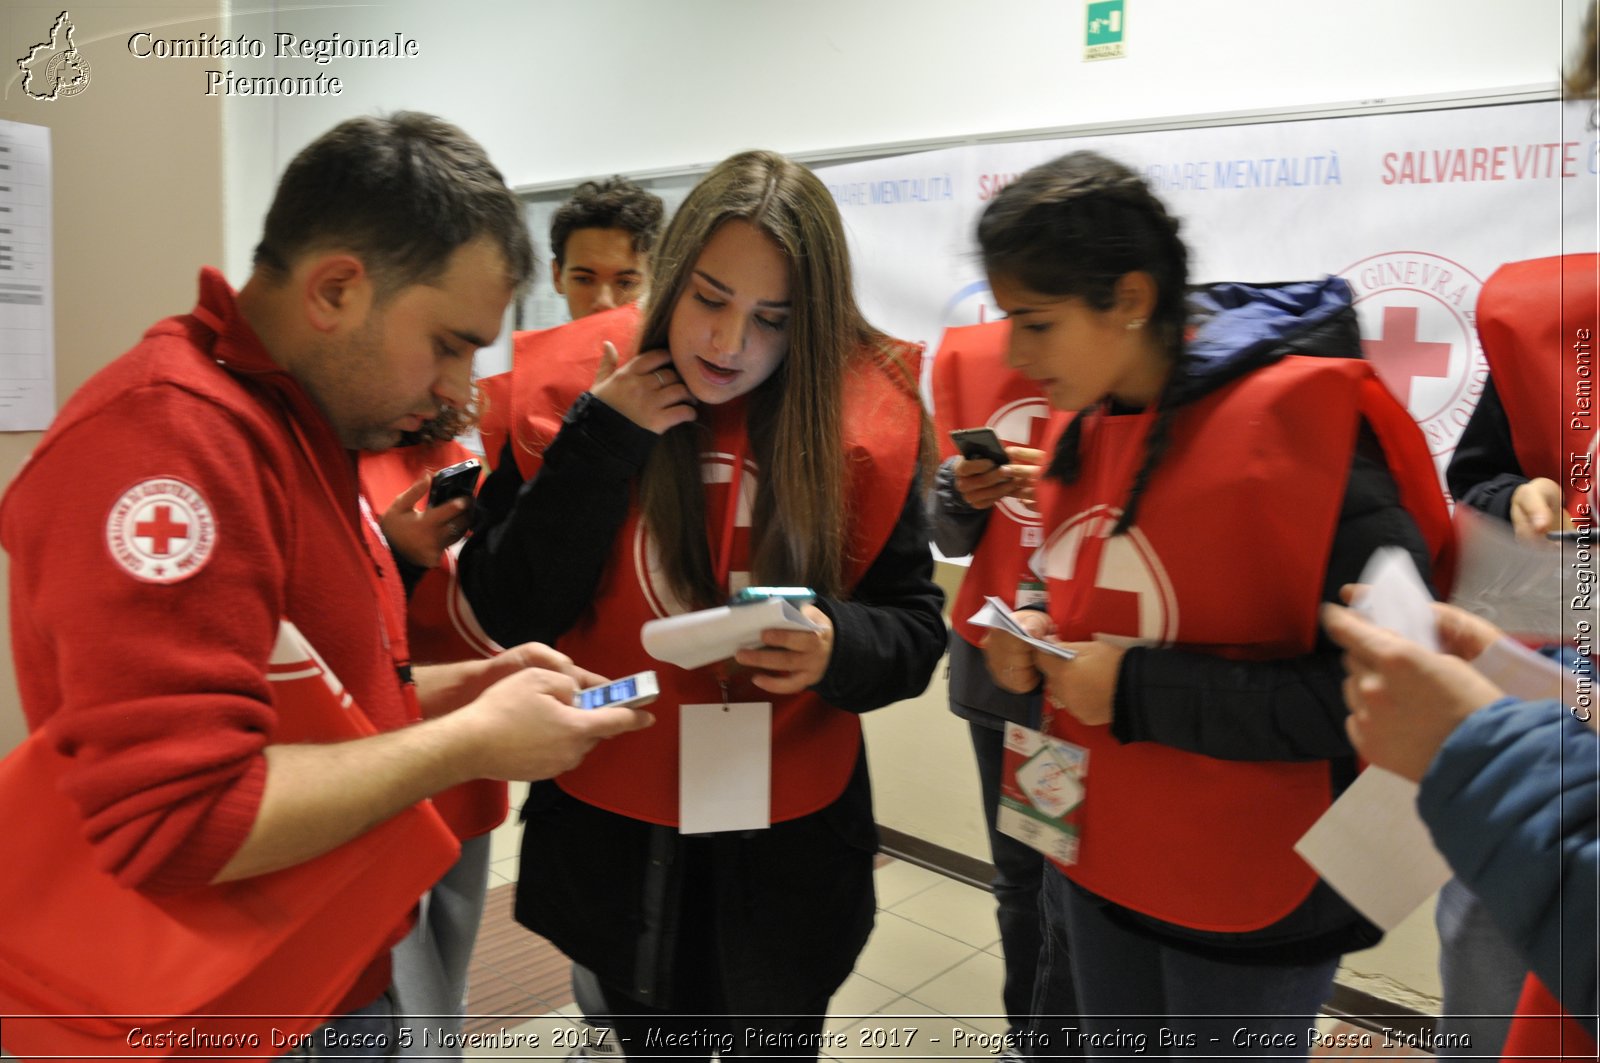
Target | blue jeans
(1480,972)
(1141,996)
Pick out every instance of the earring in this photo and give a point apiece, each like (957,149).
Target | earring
(1135,324)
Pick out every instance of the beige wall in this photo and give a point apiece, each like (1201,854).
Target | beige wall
(924,780)
(137,201)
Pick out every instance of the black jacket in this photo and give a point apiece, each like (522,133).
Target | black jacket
(1484,471)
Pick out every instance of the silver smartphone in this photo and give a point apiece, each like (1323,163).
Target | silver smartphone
(640,688)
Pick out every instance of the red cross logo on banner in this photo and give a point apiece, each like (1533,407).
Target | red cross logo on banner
(1416,310)
(1119,585)
(161,530)
(1400,357)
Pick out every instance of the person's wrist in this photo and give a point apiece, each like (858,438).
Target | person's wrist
(457,739)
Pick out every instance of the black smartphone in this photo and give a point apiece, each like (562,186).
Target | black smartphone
(453,482)
(975,443)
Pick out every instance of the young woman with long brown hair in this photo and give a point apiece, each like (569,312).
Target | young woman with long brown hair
(764,435)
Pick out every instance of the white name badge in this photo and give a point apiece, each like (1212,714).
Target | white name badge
(725,767)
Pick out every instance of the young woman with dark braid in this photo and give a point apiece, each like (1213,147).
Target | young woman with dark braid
(1217,487)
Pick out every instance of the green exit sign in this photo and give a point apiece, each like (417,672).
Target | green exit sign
(1105,27)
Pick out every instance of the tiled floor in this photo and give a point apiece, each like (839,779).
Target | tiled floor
(927,986)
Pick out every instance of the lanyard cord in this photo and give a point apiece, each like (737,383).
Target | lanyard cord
(722,561)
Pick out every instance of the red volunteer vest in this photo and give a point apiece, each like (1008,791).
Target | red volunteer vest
(1228,556)
(1542,1030)
(494,415)
(973,387)
(1537,320)
(440,626)
(814,745)
(550,369)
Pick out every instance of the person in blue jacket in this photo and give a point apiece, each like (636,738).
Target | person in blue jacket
(1510,788)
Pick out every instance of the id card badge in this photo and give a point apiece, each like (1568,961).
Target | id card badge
(1042,786)
(725,767)
(1030,591)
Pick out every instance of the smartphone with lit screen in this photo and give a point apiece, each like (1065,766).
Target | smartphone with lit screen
(640,688)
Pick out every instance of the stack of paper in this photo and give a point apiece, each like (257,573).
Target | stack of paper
(1371,845)
(694,640)
(996,614)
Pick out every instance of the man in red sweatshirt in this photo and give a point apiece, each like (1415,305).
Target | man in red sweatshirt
(200,493)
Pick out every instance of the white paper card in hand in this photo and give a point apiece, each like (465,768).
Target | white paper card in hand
(725,767)
(1373,848)
(1525,674)
(1371,845)
(997,615)
(694,640)
(1396,599)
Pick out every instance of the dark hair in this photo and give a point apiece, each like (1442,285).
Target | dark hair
(614,204)
(1074,227)
(403,192)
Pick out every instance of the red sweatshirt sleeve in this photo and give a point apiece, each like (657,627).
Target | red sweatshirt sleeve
(155,686)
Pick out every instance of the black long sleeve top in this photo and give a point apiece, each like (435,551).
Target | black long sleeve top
(540,547)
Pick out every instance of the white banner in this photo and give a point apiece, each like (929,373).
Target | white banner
(1414,210)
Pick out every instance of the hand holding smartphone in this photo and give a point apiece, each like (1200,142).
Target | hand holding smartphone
(976,443)
(453,482)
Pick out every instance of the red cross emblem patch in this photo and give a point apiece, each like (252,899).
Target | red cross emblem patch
(161,530)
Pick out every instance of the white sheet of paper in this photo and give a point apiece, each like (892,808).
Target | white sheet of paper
(1513,583)
(1523,673)
(1371,845)
(696,639)
(1396,598)
(725,767)
(996,614)
(1373,848)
